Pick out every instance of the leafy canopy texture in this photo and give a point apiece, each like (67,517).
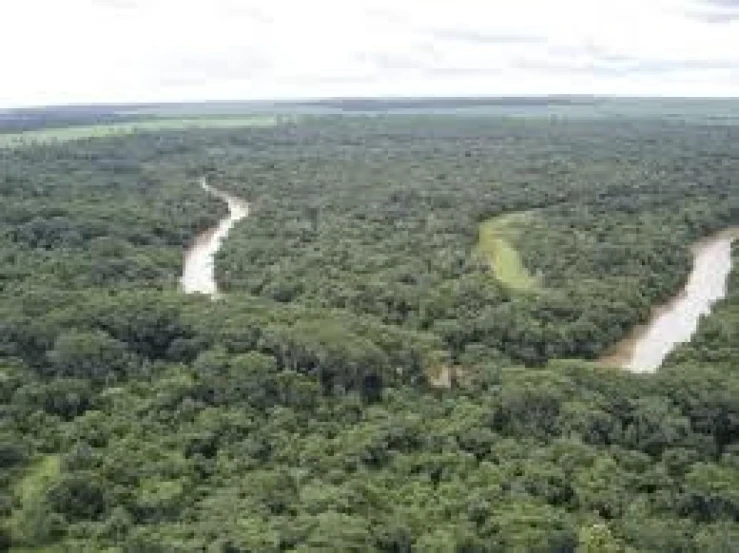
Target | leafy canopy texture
(298,412)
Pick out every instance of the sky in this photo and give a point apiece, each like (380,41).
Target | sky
(85,51)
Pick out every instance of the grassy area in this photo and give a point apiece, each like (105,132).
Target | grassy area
(30,491)
(92,131)
(37,479)
(496,247)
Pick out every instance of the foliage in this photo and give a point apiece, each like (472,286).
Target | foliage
(503,258)
(80,132)
(295,414)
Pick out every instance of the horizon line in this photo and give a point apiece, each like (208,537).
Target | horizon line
(344,98)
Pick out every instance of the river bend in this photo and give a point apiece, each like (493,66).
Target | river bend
(198,274)
(675,322)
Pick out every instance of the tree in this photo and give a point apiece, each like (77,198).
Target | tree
(597,538)
(89,354)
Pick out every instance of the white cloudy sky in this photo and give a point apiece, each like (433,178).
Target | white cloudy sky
(60,51)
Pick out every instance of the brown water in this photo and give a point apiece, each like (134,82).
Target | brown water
(671,324)
(198,273)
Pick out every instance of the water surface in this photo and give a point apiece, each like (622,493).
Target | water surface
(671,324)
(198,274)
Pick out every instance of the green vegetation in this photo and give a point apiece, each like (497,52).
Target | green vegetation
(298,414)
(496,246)
(31,493)
(63,134)
(38,478)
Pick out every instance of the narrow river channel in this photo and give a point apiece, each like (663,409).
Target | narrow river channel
(198,274)
(675,322)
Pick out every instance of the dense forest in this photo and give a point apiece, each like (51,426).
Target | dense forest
(380,217)
(21,120)
(298,412)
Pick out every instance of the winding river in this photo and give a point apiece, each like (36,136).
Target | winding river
(643,350)
(675,322)
(198,274)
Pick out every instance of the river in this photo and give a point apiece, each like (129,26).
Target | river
(198,273)
(643,350)
(675,322)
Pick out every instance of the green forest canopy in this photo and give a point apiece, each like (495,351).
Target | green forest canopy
(296,415)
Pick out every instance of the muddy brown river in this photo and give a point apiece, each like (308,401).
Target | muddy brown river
(198,274)
(675,322)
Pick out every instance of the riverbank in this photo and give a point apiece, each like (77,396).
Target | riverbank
(675,322)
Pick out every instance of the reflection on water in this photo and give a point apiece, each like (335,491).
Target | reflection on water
(198,274)
(676,322)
